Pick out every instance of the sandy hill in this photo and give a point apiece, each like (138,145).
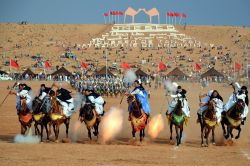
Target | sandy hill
(19,41)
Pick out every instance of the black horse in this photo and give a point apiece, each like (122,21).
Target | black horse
(137,116)
(177,118)
(40,117)
(89,117)
(232,119)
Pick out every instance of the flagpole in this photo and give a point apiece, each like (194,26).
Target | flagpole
(106,53)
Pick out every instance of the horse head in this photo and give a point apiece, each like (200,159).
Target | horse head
(178,108)
(135,106)
(238,109)
(211,110)
(86,112)
(36,104)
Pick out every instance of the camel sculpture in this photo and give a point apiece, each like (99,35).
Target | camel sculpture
(152,12)
(131,12)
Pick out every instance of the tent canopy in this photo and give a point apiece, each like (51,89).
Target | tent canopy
(29,72)
(176,72)
(62,71)
(102,72)
(211,73)
(141,73)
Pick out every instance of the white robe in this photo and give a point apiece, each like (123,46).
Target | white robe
(232,100)
(68,109)
(185,107)
(99,101)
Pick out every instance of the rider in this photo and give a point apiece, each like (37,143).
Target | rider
(23,92)
(96,99)
(141,95)
(211,95)
(66,100)
(180,93)
(44,96)
(239,93)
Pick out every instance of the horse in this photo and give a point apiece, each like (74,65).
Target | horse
(40,117)
(208,122)
(89,117)
(137,117)
(25,117)
(232,119)
(56,118)
(177,118)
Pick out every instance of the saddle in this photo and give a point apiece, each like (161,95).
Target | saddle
(25,118)
(38,116)
(210,122)
(139,123)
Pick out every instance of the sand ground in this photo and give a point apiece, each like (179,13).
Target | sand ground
(120,151)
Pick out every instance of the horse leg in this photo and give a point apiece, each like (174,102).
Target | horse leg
(89,133)
(47,132)
(223,127)
(177,135)
(57,131)
(231,133)
(140,135)
(202,134)
(228,132)
(181,130)
(239,130)
(213,138)
(206,135)
(171,131)
(67,127)
(41,132)
(133,133)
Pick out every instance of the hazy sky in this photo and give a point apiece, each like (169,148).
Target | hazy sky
(202,12)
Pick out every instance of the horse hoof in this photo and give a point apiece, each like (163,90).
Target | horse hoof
(57,141)
(213,143)
(237,137)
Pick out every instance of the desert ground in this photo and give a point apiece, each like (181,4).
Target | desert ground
(121,150)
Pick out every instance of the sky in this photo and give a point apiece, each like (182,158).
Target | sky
(199,12)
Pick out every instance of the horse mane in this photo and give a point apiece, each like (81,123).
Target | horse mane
(86,112)
(237,109)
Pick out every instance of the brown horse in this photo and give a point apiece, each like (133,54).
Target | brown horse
(25,117)
(177,118)
(232,119)
(40,117)
(88,116)
(56,117)
(137,116)
(208,122)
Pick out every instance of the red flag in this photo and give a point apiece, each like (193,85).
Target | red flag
(162,66)
(197,66)
(184,15)
(125,66)
(14,64)
(112,12)
(171,14)
(105,14)
(84,65)
(47,65)
(167,14)
(176,14)
(120,13)
(237,66)
(117,13)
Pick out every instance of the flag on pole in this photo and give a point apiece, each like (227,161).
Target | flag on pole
(47,65)
(197,66)
(14,64)
(84,65)
(105,14)
(237,66)
(125,66)
(162,66)
(184,15)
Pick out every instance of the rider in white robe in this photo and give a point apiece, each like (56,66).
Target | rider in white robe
(239,93)
(181,95)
